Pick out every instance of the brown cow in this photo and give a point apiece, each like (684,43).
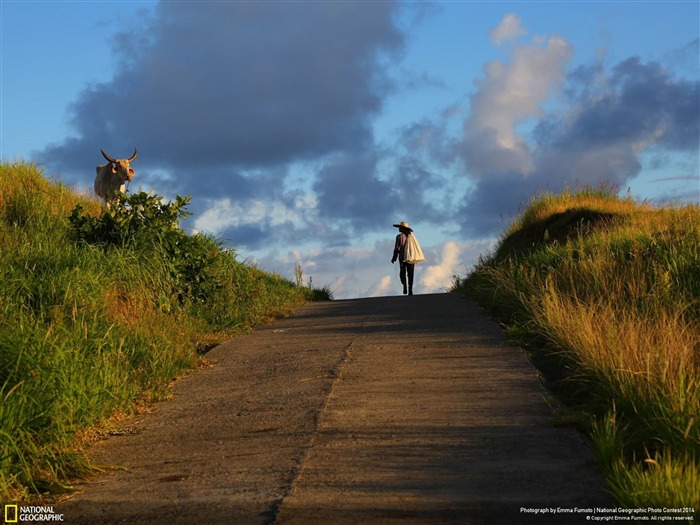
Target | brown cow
(113,177)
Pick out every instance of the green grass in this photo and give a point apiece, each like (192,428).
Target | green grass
(604,293)
(99,313)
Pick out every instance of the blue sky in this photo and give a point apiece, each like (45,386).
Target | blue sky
(304,130)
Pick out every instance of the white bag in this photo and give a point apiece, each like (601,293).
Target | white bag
(413,253)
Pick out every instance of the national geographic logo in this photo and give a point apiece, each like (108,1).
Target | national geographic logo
(31,514)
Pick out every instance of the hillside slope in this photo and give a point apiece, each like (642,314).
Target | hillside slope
(605,293)
(99,313)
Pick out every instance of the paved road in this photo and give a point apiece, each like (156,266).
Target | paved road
(369,411)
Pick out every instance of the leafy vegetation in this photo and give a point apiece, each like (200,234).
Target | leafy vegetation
(99,311)
(604,292)
(143,222)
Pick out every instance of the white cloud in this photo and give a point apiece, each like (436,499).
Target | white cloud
(224,213)
(380,288)
(509,95)
(438,277)
(509,28)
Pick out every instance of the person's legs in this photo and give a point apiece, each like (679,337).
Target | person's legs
(409,270)
(402,275)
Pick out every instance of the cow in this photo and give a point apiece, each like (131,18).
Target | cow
(113,177)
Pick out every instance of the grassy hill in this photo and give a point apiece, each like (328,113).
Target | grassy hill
(99,312)
(604,293)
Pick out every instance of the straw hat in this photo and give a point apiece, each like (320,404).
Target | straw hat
(403,224)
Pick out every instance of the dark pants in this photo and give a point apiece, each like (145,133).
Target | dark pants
(406,271)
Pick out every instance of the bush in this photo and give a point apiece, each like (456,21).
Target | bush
(142,221)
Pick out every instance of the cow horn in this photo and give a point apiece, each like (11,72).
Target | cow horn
(136,152)
(110,159)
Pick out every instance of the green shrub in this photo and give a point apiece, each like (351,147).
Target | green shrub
(142,221)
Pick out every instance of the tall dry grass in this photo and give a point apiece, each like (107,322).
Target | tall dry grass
(606,294)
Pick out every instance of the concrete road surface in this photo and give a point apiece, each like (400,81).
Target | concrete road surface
(410,409)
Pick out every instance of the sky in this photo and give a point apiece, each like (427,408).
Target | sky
(303,130)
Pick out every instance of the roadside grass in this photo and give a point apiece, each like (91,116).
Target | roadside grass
(99,312)
(604,293)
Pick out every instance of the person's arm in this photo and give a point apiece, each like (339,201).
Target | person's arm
(397,247)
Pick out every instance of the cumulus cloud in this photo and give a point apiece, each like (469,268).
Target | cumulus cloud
(605,121)
(224,99)
(508,95)
(510,28)
(601,136)
(218,91)
(223,214)
(381,288)
(350,191)
(438,275)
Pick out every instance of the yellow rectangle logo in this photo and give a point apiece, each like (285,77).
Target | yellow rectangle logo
(11,513)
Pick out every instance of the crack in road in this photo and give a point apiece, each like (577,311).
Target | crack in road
(336,373)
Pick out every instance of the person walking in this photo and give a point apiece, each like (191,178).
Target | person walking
(406,270)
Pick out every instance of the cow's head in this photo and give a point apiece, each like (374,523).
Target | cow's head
(121,167)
